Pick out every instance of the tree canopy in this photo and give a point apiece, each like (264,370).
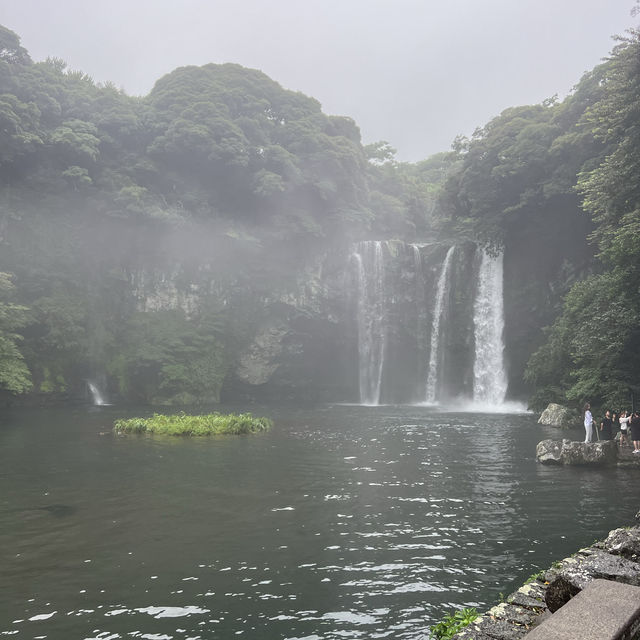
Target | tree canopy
(219,167)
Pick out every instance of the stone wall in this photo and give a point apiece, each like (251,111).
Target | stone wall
(617,558)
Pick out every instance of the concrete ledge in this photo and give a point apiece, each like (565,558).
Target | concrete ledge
(614,561)
(603,610)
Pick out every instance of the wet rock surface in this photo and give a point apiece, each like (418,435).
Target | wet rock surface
(557,415)
(570,452)
(617,558)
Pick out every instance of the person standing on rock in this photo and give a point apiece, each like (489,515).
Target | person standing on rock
(588,423)
(615,423)
(605,426)
(624,427)
(635,431)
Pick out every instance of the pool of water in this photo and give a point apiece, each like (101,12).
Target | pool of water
(341,522)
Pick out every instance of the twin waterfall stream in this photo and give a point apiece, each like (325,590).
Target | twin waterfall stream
(430,323)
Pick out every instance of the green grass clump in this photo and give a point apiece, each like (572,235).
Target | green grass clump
(535,576)
(182,424)
(453,623)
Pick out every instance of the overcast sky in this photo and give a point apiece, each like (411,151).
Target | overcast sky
(413,72)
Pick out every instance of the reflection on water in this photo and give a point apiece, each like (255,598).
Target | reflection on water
(342,522)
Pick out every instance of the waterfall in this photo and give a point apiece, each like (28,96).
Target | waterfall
(429,321)
(420,306)
(489,377)
(436,323)
(371,320)
(96,395)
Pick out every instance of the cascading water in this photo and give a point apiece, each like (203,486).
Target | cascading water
(96,395)
(438,313)
(369,259)
(420,305)
(430,324)
(489,377)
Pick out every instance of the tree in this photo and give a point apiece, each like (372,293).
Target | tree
(15,377)
(596,340)
(166,358)
(10,49)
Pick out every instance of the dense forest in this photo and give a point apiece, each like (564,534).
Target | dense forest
(151,242)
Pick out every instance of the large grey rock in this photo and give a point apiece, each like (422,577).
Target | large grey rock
(570,452)
(605,452)
(549,452)
(260,360)
(488,627)
(557,415)
(530,595)
(622,542)
(588,564)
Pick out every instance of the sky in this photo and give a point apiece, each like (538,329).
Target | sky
(415,73)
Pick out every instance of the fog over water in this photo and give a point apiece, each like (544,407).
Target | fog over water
(415,73)
(224,245)
(341,522)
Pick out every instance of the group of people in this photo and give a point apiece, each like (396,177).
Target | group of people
(628,424)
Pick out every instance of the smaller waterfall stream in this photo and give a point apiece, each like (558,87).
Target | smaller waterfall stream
(369,260)
(96,395)
(489,376)
(438,312)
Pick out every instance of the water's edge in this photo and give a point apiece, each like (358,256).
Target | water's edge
(546,591)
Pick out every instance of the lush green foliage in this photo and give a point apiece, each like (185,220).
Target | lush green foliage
(167,358)
(453,623)
(534,577)
(227,186)
(219,179)
(518,163)
(593,349)
(14,374)
(182,424)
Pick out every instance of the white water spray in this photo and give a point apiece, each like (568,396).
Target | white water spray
(489,376)
(369,259)
(436,323)
(96,395)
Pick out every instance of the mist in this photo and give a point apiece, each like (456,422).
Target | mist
(413,73)
(283,290)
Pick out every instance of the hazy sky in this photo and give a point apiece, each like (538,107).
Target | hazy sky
(413,72)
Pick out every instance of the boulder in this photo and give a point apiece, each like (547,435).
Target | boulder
(576,572)
(623,542)
(557,415)
(570,452)
(598,453)
(261,359)
(549,452)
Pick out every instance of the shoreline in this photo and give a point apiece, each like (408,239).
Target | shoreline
(616,558)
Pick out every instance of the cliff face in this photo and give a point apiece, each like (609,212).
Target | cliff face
(304,332)
(192,314)
(542,261)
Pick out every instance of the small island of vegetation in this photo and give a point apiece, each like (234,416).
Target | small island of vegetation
(181,424)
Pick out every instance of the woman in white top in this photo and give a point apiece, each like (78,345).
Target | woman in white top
(588,423)
(624,424)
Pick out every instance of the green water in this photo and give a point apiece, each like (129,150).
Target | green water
(341,522)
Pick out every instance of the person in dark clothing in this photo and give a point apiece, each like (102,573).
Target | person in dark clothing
(635,431)
(605,427)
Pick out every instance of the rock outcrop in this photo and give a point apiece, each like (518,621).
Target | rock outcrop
(259,361)
(570,452)
(588,564)
(617,559)
(557,415)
